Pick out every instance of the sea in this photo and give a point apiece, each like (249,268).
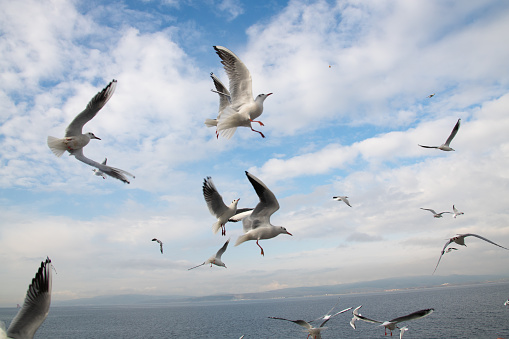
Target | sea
(471,311)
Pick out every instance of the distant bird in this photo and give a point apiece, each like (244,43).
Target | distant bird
(160,244)
(98,172)
(391,325)
(506,302)
(342,198)
(224,101)
(431,96)
(435,214)
(216,258)
(315,332)
(460,240)
(257,226)
(242,110)
(456,212)
(219,209)
(75,140)
(445,146)
(35,308)
(450,249)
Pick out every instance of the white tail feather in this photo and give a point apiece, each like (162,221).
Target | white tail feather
(211,122)
(241,239)
(57,146)
(216,227)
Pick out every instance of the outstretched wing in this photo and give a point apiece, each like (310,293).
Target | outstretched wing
(302,323)
(453,133)
(358,316)
(483,238)
(224,94)
(429,209)
(241,214)
(213,199)
(264,209)
(441,254)
(111,171)
(222,249)
(335,314)
(97,102)
(412,316)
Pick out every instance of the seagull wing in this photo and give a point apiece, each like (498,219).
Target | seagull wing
(441,254)
(264,209)
(197,266)
(413,316)
(335,314)
(483,238)
(328,314)
(111,171)
(36,306)
(453,132)
(302,323)
(239,76)
(358,316)
(429,209)
(428,146)
(213,199)
(241,214)
(224,94)
(222,249)
(97,102)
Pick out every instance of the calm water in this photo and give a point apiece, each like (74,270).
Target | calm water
(460,312)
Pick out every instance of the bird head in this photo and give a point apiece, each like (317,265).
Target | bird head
(262,97)
(283,230)
(92,136)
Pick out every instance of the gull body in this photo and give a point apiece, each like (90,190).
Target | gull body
(456,212)
(431,96)
(216,258)
(342,198)
(435,214)
(35,308)
(242,109)
(160,244)
(460,240)
(445,146)
(257,225)
(75,140)
(98,172)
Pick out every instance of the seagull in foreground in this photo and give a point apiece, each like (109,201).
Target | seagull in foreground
(242,110)
(460,240)
(435,214)
(219,209)
(160,244)
(315,332)
(224,101)
(98,172)
(445,146)
(391,325)
(216,258)
(35,309)
(257,225)
(342,198)
(75,140)
(456,212)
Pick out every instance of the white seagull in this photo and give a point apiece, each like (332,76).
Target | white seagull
(216,258)
(506,302)
(257,225)
(242,110)
(35,309)
(219,209)
(75,140)
(456,212)
(430,96)
(460,240)
(224,101)
(435,214)
(445,146)
(98,172)
(391,325)
(160,244)
(342,198)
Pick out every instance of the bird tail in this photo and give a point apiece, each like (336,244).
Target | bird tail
(228,122)
(241,239)
(211,122)
(216,226)
(57,146)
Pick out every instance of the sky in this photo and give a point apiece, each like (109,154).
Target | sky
(351,81)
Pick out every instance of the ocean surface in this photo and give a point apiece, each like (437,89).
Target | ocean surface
(473,311)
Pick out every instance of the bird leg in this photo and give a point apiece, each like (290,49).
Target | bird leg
(263,136)
(223,229)
(217,134)
(260,247)
(261,123)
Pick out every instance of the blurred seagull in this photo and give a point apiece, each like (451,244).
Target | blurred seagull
(506,303)
(216,258)
(35,309)
(98,172)
(430,96)
(456,212)
(435,214)
(391,325)
(445,146)
(219,209)
(460,240)
(160,244)
(242,109)
(257,225)
(342,198)
(75,140)
(224,101)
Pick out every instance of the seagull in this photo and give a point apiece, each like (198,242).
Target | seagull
(315,331)
(435,214)
(75,140)
(242,110)
(506,302)
(35,309)
(342,198)
(460,240)
(456,212)
(216,258)
(219,209)
(224,101)
(431,96)
(160,244)
(98,172)
(391,325)
(445,146)
(257,225)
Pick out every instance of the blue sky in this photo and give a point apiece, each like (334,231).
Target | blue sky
(348,129)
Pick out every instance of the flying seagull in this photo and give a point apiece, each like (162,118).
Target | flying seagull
(431,96)
(219,209)
(242,109)
(435,214)
(342,198)
(160,244)
(460,240)
(98,172)
(75,140)
(391,325)
(456,212)
(445,146)
(257,225)
(224,101)
(216,258)
(35,309)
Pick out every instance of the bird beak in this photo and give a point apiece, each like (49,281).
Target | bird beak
(269,94)
(289,233)
(97,138)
